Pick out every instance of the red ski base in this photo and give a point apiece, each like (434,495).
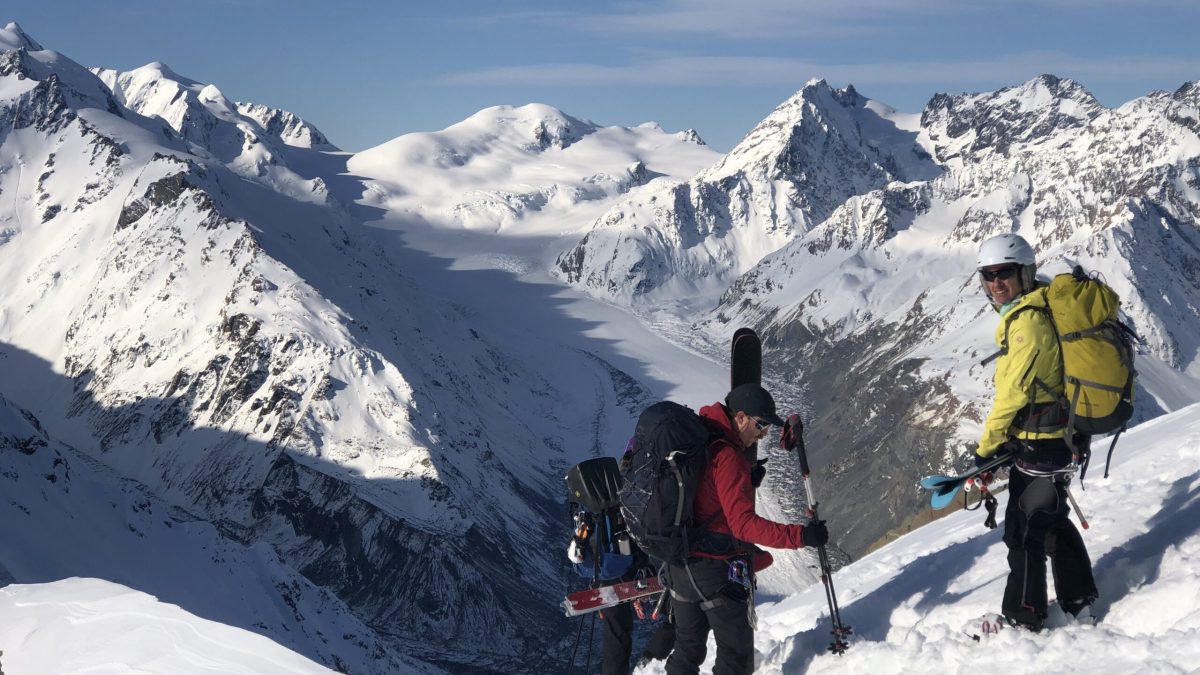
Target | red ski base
(592,599)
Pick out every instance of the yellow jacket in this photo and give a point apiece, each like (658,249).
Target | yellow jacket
(1032,351)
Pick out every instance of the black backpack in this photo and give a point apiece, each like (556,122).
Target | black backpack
(671,447)
(600,547)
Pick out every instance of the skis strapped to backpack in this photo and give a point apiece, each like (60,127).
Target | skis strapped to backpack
(745,367)
(1097,353)
(603,597)
(670,449)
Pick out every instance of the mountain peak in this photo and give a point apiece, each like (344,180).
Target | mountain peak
(160,70)
(994,120)
(1047,90)
(13,37)
(534,126)
(805,119)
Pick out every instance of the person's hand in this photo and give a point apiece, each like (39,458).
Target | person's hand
(1010,447)
(814,534)
(758,472)
(984,478)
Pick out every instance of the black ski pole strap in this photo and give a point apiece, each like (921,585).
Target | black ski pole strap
(1108,460)
(967,502)
(990,503)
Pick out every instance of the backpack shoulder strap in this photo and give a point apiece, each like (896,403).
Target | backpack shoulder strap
(1008,319)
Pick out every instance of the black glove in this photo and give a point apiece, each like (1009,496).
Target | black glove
(758,473)
(986,477)
(814,534)
(1012,446)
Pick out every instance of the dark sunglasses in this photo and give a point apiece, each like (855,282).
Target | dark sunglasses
(1003,274)
(761,424)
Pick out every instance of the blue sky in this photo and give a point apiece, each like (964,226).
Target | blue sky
(365,72)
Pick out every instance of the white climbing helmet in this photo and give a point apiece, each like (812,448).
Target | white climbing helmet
(1009,248)
(1005,248)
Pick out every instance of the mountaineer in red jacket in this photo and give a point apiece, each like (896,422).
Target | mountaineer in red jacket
(715,589)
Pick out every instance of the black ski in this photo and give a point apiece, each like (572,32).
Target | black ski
(745,363)
(745,367)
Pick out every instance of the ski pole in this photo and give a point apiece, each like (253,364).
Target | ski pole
(793,439)
(1078,512)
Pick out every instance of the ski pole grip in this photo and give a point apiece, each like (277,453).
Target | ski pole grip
(794,432)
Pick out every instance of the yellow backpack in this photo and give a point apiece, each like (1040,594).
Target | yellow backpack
(1097,353)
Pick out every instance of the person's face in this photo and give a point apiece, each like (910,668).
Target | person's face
(1002,282)
(750,429)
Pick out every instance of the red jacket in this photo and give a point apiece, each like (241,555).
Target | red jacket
(725,490)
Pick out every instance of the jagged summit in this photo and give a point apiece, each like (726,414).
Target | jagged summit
(993,121)
(12,36)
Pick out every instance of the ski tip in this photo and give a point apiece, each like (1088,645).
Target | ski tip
(941,500)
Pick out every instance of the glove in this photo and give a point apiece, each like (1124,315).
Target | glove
(758,473)
(984,478)
(814,534)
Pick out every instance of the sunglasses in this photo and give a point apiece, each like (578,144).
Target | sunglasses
(1002,274)
(761,424)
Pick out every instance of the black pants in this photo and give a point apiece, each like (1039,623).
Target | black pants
(618,640)
(1036,524)
(729,621)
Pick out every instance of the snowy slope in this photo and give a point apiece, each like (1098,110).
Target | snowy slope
(909,600)
(75,625)
(525,171)
(64,515)
(266,144)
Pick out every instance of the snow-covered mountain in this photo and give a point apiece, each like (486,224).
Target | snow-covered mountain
(692,238)
(74,624)
(529,170)
(910,601)
(192,299)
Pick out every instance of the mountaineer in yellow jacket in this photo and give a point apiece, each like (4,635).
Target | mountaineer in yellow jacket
(1028,419)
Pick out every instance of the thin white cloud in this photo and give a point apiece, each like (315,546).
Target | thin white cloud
(733,71)
(757,19)
(792,19)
